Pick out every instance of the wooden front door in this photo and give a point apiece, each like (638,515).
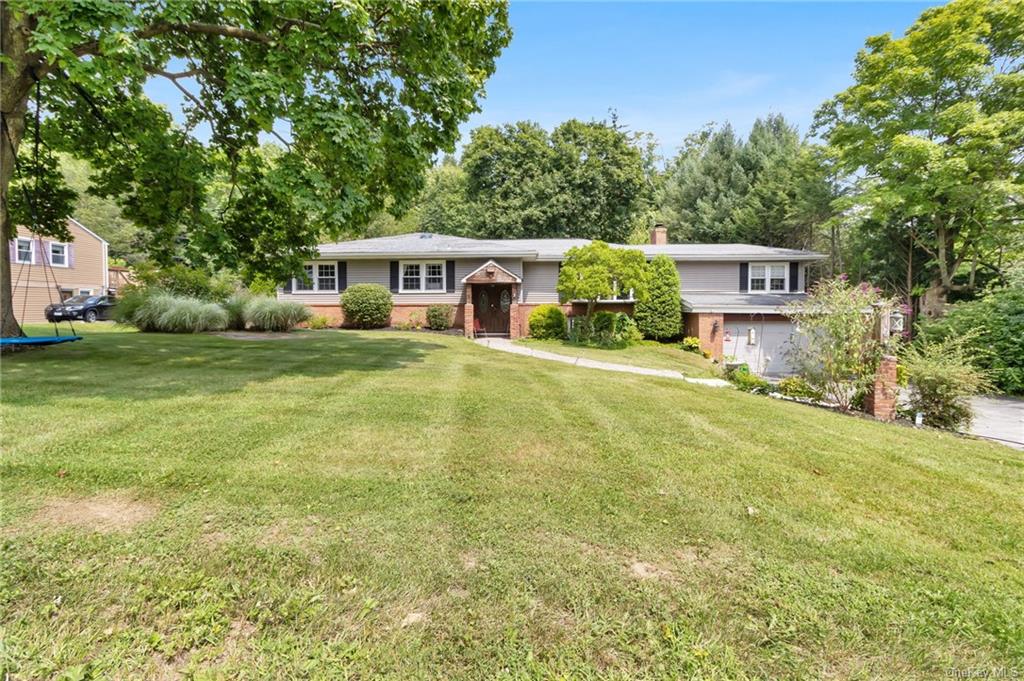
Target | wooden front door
(491,305)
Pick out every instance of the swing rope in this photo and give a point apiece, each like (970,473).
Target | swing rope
(29,201)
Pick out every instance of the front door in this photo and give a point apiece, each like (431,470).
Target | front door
(491,305)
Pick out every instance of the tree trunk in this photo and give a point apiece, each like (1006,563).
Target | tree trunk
(933,302)
(15,86)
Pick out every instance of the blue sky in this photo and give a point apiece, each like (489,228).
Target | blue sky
(668,68)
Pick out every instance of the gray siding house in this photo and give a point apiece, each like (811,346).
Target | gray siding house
(732,294)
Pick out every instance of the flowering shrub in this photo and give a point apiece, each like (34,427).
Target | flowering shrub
(840,352)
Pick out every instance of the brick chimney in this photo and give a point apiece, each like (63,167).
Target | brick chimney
(659,235)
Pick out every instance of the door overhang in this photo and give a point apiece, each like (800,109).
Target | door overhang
(491,273)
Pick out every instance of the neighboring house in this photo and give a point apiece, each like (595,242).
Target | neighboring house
(44,270)
(732,293)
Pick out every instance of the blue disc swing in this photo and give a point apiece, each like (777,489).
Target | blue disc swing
(36,340)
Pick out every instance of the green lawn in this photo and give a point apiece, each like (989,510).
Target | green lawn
(404,505)
(649,354)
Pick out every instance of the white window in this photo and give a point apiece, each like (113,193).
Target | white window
(768,277)
(85,291)
(23,253)
(326,277)
(422,277)
(59,254)
(322,277)
(618,296)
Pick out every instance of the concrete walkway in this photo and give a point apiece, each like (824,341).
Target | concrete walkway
(506,345)
(1000,418)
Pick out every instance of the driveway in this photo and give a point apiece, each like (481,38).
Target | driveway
(1000,418)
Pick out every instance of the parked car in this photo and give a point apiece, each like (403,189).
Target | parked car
(86,308)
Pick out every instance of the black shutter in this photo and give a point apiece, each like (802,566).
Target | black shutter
(394,276)
(744,276)
(794,276)
(449,276)
(342,275)
(287,287)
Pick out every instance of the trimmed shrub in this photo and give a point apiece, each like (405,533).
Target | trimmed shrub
(367,306)
(796,386)
(269,314)
(235,307)
(319,321)
(179,314)
(439,317)
(996,326)
(744,380)
(659,313)
(547,321)
(943,379)
(690,344)
(606,329)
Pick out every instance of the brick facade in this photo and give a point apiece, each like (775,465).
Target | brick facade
(400,314)
(880,401)
(709,327)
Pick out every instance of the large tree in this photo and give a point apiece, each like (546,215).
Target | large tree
(706,185)
(933,130)
(361,95)
(585,180)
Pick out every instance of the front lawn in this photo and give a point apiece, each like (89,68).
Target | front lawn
(648,354)
(379,504)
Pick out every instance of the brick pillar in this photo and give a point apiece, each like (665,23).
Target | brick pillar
(711,330)
(880,401)
(514,330)
(467,312)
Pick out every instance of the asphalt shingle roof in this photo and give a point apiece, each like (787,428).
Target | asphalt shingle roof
(427,244)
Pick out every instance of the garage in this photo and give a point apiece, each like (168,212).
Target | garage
(760,340)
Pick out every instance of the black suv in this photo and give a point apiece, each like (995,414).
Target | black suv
(87,308)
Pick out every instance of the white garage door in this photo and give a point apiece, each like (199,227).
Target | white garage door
(761,344)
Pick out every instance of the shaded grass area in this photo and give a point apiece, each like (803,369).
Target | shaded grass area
(648,354)
(410,505)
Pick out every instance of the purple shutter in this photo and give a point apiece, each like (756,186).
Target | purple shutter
(14,250)
(47,252)
(69,255)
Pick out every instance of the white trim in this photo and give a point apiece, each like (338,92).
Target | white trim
(518,279)
(31,250)
(65,244)
(768,277)
(315,278)
(423,276)
(87,230)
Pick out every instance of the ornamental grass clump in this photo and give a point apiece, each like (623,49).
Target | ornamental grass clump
(267,314)
(166,313)
(235,307)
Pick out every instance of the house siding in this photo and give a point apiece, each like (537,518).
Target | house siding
(34,287)
(540,283)
(379,272)
(708,276)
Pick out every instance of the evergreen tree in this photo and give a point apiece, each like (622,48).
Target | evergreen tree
(659,314)
(705,186)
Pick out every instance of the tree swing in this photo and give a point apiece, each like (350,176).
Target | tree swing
(47,265)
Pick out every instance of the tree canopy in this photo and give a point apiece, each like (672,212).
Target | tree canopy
(584,180)
(360,96)
(599,272)
(933,132)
